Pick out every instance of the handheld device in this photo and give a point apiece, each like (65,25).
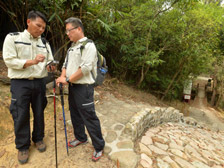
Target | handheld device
(53,63)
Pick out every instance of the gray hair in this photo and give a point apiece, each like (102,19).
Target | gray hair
(76,22)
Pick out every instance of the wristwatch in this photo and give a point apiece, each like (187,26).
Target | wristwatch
(67,79)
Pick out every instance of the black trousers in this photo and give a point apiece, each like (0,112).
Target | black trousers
(24,93)
(82,110)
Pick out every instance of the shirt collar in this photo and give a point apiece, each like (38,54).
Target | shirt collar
(80,41)
(28,35)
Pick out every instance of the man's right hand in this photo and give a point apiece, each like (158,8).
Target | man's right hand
(39,58)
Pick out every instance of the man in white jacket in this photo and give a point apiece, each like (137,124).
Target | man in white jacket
(26,55)
(77,71)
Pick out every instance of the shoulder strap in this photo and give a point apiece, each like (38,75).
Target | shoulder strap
(81,49)
(84,44)
(67,55)
(43,39)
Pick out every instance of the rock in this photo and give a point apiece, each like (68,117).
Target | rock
(178,153)
(183,163)
(198,164)
(215,127)
(107,149)
(190,121)
(127,159)
(2,153)
(11,163)
(160,139)
(125,145)
(157,150)
(147,159)
(146,140)
(161,146)
(162,164)
(144,149)
(111,136)
(174,145)
(145,164)
(171,162)
(118,127)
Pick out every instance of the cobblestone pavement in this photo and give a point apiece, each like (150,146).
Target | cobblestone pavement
(175,145)
(171,145)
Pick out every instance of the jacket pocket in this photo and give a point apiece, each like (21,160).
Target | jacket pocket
(88,110)
(13,108)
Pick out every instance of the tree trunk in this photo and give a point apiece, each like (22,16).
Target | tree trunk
(144,72)
(214,91)
(143,75)
(173,79)
(220,95)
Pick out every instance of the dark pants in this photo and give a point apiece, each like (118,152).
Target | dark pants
(25,93)
(82,109)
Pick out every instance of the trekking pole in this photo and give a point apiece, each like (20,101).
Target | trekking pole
(62,104)
(55,133)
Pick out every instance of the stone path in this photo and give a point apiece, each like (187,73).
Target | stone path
(114,115)
(169,145)
(176,145)
(164,145)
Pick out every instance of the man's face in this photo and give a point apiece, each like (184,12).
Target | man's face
(36,27)
(73,32)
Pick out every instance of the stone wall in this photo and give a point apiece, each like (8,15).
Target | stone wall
(147,118)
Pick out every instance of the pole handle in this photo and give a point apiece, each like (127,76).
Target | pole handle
(61,93)
(61,86)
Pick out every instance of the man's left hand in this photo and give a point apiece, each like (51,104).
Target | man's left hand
(62,80)
(51,68)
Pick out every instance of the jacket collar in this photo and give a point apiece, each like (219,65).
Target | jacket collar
(28,35)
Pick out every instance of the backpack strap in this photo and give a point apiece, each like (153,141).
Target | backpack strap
(81,49)
(67,55)
(43,39)
(84,44)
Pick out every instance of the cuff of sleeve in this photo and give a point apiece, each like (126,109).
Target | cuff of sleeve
(84,70)
(63,67)
(22,63)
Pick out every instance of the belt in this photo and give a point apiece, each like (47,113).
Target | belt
(79,84)
(30,78)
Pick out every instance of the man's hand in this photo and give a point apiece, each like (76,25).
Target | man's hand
(51,68)
(62,80)
(39,58)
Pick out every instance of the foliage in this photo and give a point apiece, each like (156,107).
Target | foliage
(152,44)
(56,11)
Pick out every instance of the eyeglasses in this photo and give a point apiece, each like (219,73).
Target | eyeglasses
(67,31)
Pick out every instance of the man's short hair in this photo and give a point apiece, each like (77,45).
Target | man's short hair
(76,22)
(34,14)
